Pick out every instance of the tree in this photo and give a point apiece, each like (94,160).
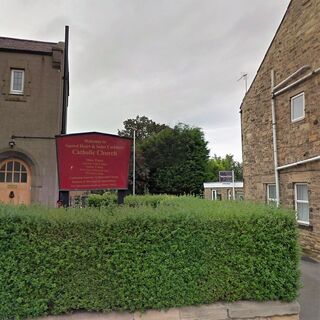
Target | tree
(177,160)
(217,164)
(143,126)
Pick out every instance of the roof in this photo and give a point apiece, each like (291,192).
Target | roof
(12,44)
(238,184)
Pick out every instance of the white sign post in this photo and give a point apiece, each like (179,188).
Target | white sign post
(228,178)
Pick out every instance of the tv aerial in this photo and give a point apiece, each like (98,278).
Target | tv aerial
(244,76)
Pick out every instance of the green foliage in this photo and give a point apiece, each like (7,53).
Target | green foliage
(105,200)
(173,160)
(143,126)
(177,160)
(217,164)
(191,252)
(110,200)
(149,200)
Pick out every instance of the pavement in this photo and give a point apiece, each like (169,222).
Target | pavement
(309,298)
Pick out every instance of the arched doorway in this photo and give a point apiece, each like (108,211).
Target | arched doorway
(15,182)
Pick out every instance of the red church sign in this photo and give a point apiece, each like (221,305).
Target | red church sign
(93,161)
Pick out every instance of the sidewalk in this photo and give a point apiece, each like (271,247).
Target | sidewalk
(310,293)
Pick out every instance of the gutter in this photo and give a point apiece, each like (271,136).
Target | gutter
(298,163)
(307,76)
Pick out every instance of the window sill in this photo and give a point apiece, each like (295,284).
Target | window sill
(297,120)
(16,93)
(16,98)
(305,226)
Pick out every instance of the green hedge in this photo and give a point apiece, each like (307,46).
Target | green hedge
(54,261)
(105,200)
(150,200)
(110,199)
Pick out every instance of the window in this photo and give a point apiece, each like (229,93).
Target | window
(302,203)
(271,194)
(297,107)
(17,81)
(216,195)
(239,195)
(13,172)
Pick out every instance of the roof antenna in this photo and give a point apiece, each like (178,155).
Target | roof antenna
(245,77)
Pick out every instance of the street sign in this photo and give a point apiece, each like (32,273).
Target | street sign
(226,176)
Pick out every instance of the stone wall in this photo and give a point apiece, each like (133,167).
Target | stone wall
(218,311)
(34,113)
(295,45)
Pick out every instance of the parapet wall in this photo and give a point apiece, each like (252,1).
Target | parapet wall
(219,311)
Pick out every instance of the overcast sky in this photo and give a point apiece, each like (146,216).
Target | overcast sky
(170,60)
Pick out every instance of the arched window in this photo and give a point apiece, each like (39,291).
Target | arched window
(13,171)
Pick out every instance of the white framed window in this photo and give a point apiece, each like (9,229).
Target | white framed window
(216,194)
(229,194)
(302,202)
(17,81)
(297,107)
(271,194)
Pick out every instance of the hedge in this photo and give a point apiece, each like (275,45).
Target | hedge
(150,200)
(105,200)
(110,200)
(54,261)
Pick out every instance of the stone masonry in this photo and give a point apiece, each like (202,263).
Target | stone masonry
(296,44)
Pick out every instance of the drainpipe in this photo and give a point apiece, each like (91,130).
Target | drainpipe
(275,93)
(233,187)
(134,164)
(274,138)
(65,90)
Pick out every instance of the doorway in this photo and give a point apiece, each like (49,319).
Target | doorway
(15,182)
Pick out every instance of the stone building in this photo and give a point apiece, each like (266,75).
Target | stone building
(280,117)
(223,190)
(33,107)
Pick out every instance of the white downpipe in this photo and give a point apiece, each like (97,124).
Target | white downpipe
(233,187)
(134,164)
(290,77)
(298,163)
(274,139)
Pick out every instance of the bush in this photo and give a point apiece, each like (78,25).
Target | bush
(105,200)
(109,200)
(194,252)
(149,200)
